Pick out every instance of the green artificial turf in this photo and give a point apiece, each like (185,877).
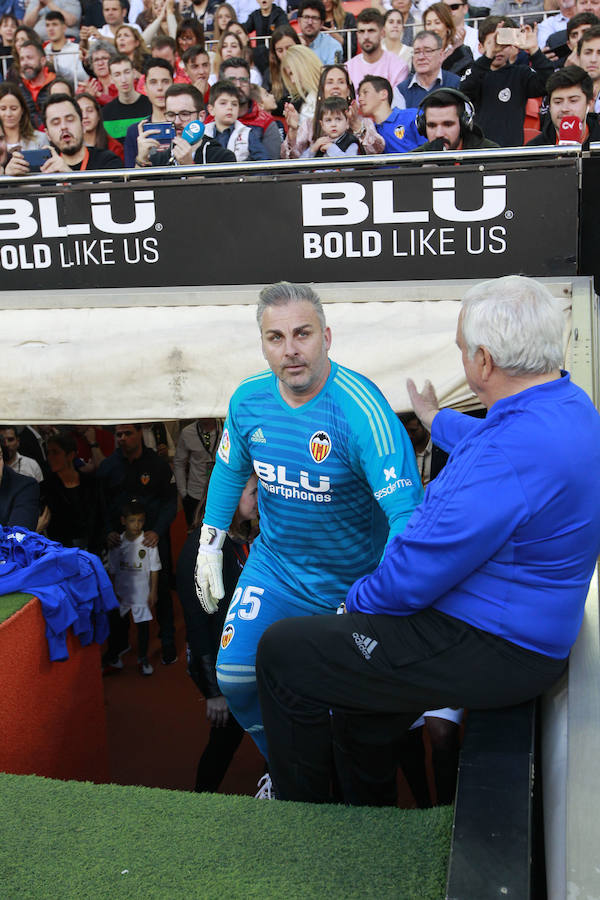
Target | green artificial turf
(106,842)
(10,603)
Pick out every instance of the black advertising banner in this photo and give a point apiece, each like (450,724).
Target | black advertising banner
(590,220)
(389,224)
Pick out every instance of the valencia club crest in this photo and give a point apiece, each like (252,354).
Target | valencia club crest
(320,446)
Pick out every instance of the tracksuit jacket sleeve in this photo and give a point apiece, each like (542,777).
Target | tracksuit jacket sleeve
(233,467)
(468,514)
(450,427)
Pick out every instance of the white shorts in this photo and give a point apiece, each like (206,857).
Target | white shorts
(451,715)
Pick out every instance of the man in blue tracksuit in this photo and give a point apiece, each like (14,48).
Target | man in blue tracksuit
(479,600)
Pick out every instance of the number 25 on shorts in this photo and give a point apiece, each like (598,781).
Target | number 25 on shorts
(247,601)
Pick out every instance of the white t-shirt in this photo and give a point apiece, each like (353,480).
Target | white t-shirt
(130,564)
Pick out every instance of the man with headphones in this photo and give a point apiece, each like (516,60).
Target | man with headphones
(446,118)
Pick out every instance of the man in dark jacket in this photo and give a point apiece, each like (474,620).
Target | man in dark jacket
(570,92)
(19,498)
(35,80)
(446,119)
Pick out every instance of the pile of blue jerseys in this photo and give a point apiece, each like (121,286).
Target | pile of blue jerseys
(71,584)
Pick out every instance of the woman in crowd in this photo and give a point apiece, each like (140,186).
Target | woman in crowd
(158,17)
(394,36)
(61,85)
(100,84)
(411,20)
(231,46)
(224,15)
(70,498)
(334,82)
(189,34)
(16,121)
(301,73)
(8,27)
(203,634)
(283,38)
(456,57)
(337,17)
(130,42)
(94,132)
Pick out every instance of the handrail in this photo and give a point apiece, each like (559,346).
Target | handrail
(247,170)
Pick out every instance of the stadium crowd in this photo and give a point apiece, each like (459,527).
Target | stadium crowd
(103,84)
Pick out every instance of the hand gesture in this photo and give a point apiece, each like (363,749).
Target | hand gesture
(182,151)
(217,711)
(354,117)
(321,144)
(150,539)
(425,403)
(527,39)
(17,164)
(292,117)
(55,164)
(145,143)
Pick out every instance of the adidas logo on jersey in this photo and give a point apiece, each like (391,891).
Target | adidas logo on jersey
(365,644)
(258,437)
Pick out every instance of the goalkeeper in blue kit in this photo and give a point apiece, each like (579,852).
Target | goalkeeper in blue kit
(337,479)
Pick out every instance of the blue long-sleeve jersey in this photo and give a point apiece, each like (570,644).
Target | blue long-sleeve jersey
(508,534)
(337,474)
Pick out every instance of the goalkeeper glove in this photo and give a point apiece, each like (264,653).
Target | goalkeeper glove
(208,575)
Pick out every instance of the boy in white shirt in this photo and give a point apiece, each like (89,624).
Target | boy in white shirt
(134,569)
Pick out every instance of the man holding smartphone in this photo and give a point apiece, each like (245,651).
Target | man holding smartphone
(159,78)
(68,152)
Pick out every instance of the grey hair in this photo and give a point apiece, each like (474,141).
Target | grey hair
(518,320)
(103,46)
(284,292)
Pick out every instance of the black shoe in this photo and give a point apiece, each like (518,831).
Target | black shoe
(169,655)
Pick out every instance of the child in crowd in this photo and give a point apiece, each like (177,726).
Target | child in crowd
(334,137)
(134,569)
(245,141)
(266,100)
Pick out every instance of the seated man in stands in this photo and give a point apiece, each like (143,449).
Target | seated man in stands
(396,126)
(183,104)
(498,88)
(588,50)
(374,60)
(571,93)
(451,617)
(19,497)
(197,68)
(35,80)
(428,74)
(238,71)
(446,119)
(129,106)
(65,132)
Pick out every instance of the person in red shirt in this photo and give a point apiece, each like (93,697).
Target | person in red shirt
(35,80)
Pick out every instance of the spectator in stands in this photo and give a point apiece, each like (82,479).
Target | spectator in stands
(576,25)
(159,78)
(301,72)
(396,126)
(203,11)
(334,82)
(571,93)
(94,444)
(499,90)
(231,46)
(69,153)
(71,497)
(34,81)
(101,84)
(238,71)
(94,132)
(133,472)
(245,141)
(61,85)
(22,35)
(183,104)
(333,137)
(129,42)
(189,34)
(454,602)
(374,60)
(283,38)
(456,56)
(115,14)
(194,461)
(466,34)
(311,17)
(225,14)
(160,17)
(129,106)
(393,34)
(555,22)
(428,72)
(8,27)
(588,50)
(203,633)
(197,68)
(341,24)
(515,8)
(23,465)
(19,497)
(16,121)
(263,22)
(164,47)
(446,118)
(37,10)
(411,19)
(62,52)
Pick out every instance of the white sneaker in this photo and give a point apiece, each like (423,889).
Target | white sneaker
(145,667)
(265,788)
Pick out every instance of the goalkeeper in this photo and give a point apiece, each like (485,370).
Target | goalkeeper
(337,477)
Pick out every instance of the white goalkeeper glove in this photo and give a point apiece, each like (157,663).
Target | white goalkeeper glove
(208,574)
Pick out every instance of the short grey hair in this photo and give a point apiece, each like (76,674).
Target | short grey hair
(284,292)
(518,320)
(102,47)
